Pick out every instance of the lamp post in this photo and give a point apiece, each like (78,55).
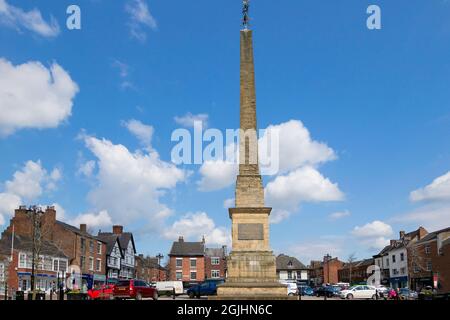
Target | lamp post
(34,212)
(159,256)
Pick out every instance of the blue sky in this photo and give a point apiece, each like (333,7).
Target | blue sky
(94,110)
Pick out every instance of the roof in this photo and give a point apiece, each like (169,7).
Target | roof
(285,262)
(215,252)
(187,249)
(76,230)
(150,262)
(124,238)
(432,235)
(110,240)
(23,243)
(384,251)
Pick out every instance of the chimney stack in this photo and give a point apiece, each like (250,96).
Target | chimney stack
(393,243)
(117,229)
(181,239)
(83,227)
(402,235)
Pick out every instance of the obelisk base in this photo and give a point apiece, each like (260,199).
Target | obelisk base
(252,276)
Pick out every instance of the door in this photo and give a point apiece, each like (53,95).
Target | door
(359,292)
(368,292)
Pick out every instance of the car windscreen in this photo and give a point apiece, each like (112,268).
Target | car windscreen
(123,284)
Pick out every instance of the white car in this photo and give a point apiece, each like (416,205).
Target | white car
(359,292)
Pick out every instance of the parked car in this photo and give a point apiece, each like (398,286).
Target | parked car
(359,292)
(328,291)
(166,287)
(305,291)
(134,289)
(427,293)
(207,288)
(407,294)
(103,292)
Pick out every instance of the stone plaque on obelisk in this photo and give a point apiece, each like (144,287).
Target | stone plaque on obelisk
(251,264)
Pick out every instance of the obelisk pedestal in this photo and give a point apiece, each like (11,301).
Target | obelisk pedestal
(251,265)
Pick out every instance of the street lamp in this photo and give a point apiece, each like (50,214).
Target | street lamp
(159,256)
(34,212)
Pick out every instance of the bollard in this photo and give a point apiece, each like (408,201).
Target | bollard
(174,295)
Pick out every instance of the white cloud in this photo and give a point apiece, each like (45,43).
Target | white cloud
(8,203)
(229,203)
(27,184)
(317,249)
(92,220)
(374,235)
(143,132)
(438,190)
(140,19)
(296,147)
(432,217)
(87,168)
(305,184)
(32,96)
(188,120)
(339,215)
(216,175)
(194,226)
(129,185)
(17,18)
(122,67)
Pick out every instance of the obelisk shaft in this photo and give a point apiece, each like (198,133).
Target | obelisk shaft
(249,189)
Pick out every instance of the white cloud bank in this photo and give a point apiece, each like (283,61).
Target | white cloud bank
(27,184)
(32,96)
(17,18)
(194,226)
(438,190)
(129,185)
(374,235)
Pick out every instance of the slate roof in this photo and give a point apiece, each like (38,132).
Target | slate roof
(110,240)
(285,262)
(124,238)
(432,235)
(26,244)
(187,249)
(77,231)
(215,252)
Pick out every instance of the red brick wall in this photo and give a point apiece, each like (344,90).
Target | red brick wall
(330,271)
(186,269)
(209,267)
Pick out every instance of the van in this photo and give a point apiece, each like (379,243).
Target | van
(166,287)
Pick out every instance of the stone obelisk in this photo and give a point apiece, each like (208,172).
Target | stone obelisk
(251,264)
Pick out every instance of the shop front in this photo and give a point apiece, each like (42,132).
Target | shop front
(399,282)
(99,279)
(418,283)
(42,281)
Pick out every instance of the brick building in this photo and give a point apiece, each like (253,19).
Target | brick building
(429,261)
(149,269)
(215,263)
(86,253)
(187,262)
(355,272)
(326,271)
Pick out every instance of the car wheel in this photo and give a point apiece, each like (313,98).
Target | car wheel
(291,294)
(138,296)
(155,296)
(350,296)
(191,295)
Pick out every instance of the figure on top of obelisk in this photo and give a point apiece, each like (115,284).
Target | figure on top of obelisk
(245,10)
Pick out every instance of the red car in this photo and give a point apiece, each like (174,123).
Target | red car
(104,292)
(134,289)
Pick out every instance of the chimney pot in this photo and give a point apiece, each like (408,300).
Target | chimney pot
(117,229)
(181,239)
(83,227)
